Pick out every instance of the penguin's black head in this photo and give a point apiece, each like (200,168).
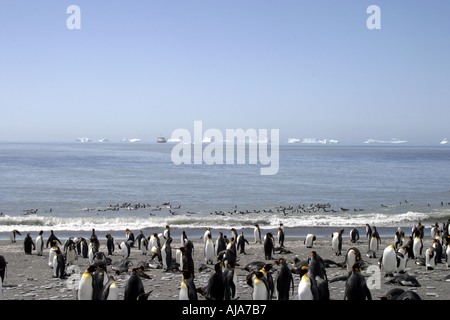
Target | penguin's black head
(41,232)
(218,266)
(267,267)
(258,274)
(303,271)
(280,261)
(356,267)
(187,274)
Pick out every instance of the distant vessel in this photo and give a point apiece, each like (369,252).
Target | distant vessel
(444,141)
(103,140)
(293,140)
(161,139)
(83,140)
(134,140)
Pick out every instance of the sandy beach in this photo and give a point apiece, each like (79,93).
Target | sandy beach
(30,278)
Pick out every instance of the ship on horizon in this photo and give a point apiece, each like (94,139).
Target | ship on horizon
(161,139)
(444,141)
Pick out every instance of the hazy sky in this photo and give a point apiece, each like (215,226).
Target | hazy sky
(138,69)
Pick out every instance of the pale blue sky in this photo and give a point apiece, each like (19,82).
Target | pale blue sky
(138,69)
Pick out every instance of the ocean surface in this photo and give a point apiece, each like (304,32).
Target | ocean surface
(74,187)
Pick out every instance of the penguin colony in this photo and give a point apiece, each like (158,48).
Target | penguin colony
(271,278)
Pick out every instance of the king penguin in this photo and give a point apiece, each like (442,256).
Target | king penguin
(51,255)
(305,291)
(368,231)
(12,235)
(375,240)
(71,254)
(417,247)
(268,246)
(257,234)
(85,286)
(166,255)
(356,286)
(354,235)
(389,260)
(110,290)
(125,247)
(260,287)
(438,247)
(134,287)
(241,243)
(215,288)
(205,238)
(281,237)
(353,256)
(110,244)
(220,244)
(28,244)
(430,258)
(284,280)
(230,281)
(447,256)
(336,242)
(40,243)
(402,259)
(210,255)
(309,240)
(188,290)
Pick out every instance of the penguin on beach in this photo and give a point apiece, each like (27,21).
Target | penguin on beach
(220,244)
(134,287)
(389,260)
(241,243)
(336,242)
(268,246)
(110,244)
(13,234)
(356,286)
(417,246)
(210,255)
(281,236)
(284,280)
(125,247)
(260,287)
(230,281)
(188,290)
(354,235)
(352,257)
(430,258)
(40,243)
(309,240)
(257,234)
(86,285)
(52,240)
(166,255)
(28,244)
(110,290)
(215,288)
(368,231)
(375,240)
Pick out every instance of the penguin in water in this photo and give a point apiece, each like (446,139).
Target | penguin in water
(28,244)
(260,287)
(284,280)
(210,255)
(166,255)
(110,290)
(356,286)
(309,240)
(417,246)
(430,258)
(40,243)
(389,260)
(281,237)
(352,257)
(220,244)
(86,285)
(354,235)
(241,243)
(257,234)
(13,234)
(268,246)
(375,240)
(215,288)
(336,242)
(110,244)
(188,290)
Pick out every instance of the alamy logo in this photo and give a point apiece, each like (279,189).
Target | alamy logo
(238,147)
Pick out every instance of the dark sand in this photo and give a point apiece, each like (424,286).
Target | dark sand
(30,278)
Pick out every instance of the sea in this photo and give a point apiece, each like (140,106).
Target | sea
(75,187)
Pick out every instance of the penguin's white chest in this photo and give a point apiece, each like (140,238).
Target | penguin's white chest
(51,254)
(209,251)
(304,289)
(416,247)
(351,259)
(260,291)
(373,244)
(184,294)
(85,289)
(389,260)
(113,292)
(335,243)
